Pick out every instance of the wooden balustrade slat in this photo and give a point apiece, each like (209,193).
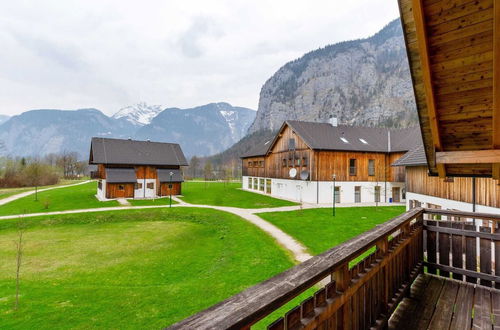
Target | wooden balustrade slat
(292,319)
(497,254)
(444,249)
(470,253)
(485,255)
(431,246)
(279,324)
(457,249)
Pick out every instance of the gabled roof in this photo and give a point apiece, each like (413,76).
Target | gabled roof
(120,175)
(131,152)
(260,149)
(164,175)
(414,157)
(324,136)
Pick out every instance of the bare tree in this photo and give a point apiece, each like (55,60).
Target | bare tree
(19,254)
(34,175)
(194,164)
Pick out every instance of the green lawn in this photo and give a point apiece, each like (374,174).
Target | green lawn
(319,231)
(6,192)
(227,194)
(68,198)
(130,269)
(148,202)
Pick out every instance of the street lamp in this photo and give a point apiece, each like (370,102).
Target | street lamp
(170,187)
(334,177)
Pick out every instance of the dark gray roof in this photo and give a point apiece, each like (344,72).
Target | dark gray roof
(258,150)
(323,136)
(414,157)
(164,175)
(131,152)
(120,175)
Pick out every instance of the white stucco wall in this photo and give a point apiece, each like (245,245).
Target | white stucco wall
(448,203)
(322,192)
(101,193)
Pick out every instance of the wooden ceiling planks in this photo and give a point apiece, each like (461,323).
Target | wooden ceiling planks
(451,46)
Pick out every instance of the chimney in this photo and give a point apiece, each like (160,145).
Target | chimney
(333,121)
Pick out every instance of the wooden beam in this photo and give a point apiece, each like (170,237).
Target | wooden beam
(423,49)
(469,157)
(496,85)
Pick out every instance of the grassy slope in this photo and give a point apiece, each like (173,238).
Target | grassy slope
(133,269)
(221,194)
(319,231)
(6,192)
(147,202)
(75,197)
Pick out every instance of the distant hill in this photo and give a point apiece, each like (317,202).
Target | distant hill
(3,118)
(203,130)
(363,82)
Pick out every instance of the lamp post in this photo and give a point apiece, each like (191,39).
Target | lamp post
(334,177)
(170,187)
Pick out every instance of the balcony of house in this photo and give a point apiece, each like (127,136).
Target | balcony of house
(426,268)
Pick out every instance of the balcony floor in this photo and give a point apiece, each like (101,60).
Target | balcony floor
(438,303)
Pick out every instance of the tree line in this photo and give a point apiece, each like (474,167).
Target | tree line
(40,171)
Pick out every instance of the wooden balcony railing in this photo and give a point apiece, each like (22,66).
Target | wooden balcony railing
(367,276)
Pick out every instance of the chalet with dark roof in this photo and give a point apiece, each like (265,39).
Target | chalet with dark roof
(136,169)
(301,160)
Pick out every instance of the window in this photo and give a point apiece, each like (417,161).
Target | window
(249,183)
(357,194)
(377,194)
(298,161)
(371,167)
(150,185)
(261,186)
(255,184)
(121,187)
(403,192)
(255,164)
(268,186)
(291,144)
(249,164)
(304,161)
(284,162)
(337,194)
(261,163)
(138,185)
(290,162)
(352,166)
(99,185)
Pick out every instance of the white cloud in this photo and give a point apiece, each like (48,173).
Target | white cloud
(109,54)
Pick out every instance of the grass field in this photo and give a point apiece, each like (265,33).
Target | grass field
(68,198)
(319,231)
(130,269)
(227,194)
(6,192)
(148,202)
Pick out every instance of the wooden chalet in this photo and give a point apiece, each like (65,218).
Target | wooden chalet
(427,268)
(136,169)
(359,157)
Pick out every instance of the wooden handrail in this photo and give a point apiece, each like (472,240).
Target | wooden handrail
(463,214)
(251,305)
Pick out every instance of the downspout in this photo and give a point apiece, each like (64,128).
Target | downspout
(385,163)
(317,178)
(144,185)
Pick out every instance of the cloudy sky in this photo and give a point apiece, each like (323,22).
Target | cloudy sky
(110,54)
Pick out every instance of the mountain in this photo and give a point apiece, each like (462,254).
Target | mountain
(139,114)
(40,132)
(3,118)
(362,82)
(201,131)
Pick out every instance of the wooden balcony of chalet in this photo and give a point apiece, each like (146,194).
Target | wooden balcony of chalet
(425,269)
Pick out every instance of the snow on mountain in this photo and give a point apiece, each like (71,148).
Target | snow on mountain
(139,114)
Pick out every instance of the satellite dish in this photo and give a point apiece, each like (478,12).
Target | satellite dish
(304,175)
(292,172)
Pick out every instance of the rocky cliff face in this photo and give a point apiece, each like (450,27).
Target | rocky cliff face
(362,82)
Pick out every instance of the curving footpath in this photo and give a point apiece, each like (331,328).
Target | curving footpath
(298,251)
